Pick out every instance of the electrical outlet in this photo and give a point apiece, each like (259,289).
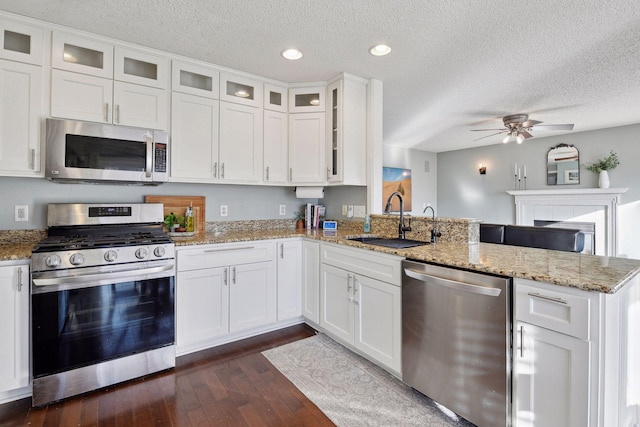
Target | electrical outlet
(358,211)
(344,210)
(224,210)
(21,212)
(350,211)
(283,209)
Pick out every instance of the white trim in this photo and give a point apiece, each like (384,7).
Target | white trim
(608,198)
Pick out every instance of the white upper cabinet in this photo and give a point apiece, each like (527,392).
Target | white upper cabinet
(307,148)
(194,138)
(240,90)
(276,149)
(20,113)
(82,85)
(140,106)
(19,42)
(81,97)
(275,98)
(347,136)
(141,68)
(82,55)
(307,99)
(240,143)
(195,79)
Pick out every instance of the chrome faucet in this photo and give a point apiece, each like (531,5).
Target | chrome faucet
(401,227)
(434,233)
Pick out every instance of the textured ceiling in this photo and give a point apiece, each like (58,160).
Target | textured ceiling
(455,65)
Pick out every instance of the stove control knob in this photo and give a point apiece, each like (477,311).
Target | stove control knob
(53,261)
(110,256)
(141,253)
(76,259)
(159,251)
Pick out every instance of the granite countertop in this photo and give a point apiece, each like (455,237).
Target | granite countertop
(581,271)
(586,272)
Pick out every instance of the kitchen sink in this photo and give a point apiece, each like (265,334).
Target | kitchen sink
(389,243)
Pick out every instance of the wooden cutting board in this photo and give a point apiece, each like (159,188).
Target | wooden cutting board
(179,204)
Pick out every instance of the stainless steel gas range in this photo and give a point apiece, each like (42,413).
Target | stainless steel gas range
(102,298)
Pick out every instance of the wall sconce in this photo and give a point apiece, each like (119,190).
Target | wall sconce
(483,169)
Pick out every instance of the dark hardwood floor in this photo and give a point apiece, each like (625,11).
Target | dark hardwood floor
(229,385)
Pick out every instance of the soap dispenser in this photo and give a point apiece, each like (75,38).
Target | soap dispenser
(367,224)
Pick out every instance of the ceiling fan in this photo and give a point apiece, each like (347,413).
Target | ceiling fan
(518,126)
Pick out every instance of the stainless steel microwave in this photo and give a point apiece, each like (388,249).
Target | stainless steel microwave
(95,152)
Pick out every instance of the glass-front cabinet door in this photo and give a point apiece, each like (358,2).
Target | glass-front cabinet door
(275,98)
(82,55)
(141,68)
(195,79)
(307,99)
(240,90)
(20,42)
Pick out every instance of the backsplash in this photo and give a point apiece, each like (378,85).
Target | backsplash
(454,230)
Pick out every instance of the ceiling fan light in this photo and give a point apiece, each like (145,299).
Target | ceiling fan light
(519,139)
(506,139)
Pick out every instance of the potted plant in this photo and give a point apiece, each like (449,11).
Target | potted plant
(602,167)
(299,217)
(175,223)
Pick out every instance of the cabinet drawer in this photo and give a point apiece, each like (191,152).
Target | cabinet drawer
(560,311)
(208,256)
(362,261)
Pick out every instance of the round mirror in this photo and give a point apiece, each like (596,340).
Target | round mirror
(563,165)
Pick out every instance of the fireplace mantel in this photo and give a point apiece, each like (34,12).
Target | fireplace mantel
(530,202)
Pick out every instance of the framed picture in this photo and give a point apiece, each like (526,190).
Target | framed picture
(396,179)
(571,176)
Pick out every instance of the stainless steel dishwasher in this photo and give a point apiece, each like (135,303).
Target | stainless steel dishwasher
(456,340)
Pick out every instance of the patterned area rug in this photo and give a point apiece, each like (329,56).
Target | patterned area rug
(352,391)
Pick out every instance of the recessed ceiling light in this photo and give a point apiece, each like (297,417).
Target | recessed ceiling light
(292,54)
(380,50)
(314,102)
(242,93)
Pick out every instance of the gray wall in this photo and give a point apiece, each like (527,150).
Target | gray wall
(335,197)
(424,175)
(463,192)
(244,202)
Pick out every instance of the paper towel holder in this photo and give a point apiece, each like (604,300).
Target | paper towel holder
(309,192)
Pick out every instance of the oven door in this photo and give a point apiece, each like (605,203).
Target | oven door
(97,316)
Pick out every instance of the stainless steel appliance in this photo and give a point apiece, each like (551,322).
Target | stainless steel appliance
(102,298)
(456,340)
(98,152)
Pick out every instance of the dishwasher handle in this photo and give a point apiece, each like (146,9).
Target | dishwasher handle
(452,284)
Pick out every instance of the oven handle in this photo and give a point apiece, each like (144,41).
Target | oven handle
(97,279)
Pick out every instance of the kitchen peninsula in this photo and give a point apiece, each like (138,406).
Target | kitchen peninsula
(580,303)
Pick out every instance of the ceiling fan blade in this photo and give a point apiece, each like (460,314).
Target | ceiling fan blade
(482,130)
(530,123)
(554,127)
(526,134)
(487,136)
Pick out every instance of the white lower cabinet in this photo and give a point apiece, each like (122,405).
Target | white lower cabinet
(289,263)
(359,308)
(311,281)
(14,327)
(202,305)
(576,360)
(221,290)
(552,373)
(252,295)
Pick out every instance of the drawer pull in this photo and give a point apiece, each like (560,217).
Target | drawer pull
(554,299)
(242,248)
